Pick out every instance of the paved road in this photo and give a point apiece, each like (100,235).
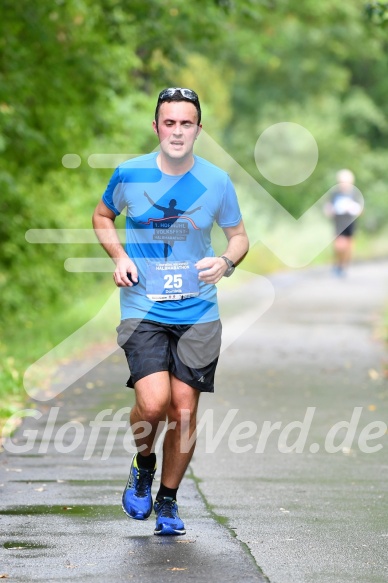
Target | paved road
(303,349)
(61,516)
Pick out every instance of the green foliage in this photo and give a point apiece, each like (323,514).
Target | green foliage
(377,12)
(10,387)
(81,76)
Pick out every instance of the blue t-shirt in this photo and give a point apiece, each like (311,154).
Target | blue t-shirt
(169,218)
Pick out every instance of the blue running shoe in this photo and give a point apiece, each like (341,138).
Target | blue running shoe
(167,518)
(137,499)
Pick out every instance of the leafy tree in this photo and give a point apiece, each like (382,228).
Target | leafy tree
(80,76)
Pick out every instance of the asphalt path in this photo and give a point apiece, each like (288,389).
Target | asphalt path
(282,486)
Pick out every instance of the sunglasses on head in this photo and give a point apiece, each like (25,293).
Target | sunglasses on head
(170,92)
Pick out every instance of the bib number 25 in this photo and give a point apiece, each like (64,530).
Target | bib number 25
(173,281)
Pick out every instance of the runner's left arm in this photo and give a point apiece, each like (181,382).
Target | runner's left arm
(215,267)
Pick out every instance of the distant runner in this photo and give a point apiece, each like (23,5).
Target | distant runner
(344,208)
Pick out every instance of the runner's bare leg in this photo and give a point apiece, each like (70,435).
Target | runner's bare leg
(176,457)
(153,395)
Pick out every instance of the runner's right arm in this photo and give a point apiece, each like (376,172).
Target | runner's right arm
(104,227)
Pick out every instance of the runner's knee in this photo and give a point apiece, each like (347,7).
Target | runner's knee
(153,412)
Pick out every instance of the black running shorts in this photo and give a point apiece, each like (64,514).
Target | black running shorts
(342,226)
(189,351)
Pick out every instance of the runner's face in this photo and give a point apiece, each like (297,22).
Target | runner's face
(177,128)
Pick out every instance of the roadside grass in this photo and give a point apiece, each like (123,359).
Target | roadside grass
(24,344)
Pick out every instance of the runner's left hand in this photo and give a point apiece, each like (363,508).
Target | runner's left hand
(213,269)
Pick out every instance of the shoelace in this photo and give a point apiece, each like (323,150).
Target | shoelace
(144,480)
(168,508)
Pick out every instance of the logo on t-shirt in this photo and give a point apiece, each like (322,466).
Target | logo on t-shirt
(173,226)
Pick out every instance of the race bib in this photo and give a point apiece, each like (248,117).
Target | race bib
(171,280)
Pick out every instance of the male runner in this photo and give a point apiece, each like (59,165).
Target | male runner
(344,207)
(170,329)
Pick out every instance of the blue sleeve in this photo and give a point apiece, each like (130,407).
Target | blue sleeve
(113,196)
(229,214)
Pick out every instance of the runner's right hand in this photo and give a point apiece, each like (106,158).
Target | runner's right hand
(124,266)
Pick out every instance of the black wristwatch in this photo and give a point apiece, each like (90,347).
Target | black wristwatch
(230,264)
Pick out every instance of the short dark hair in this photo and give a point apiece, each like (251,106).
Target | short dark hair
(178,94)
